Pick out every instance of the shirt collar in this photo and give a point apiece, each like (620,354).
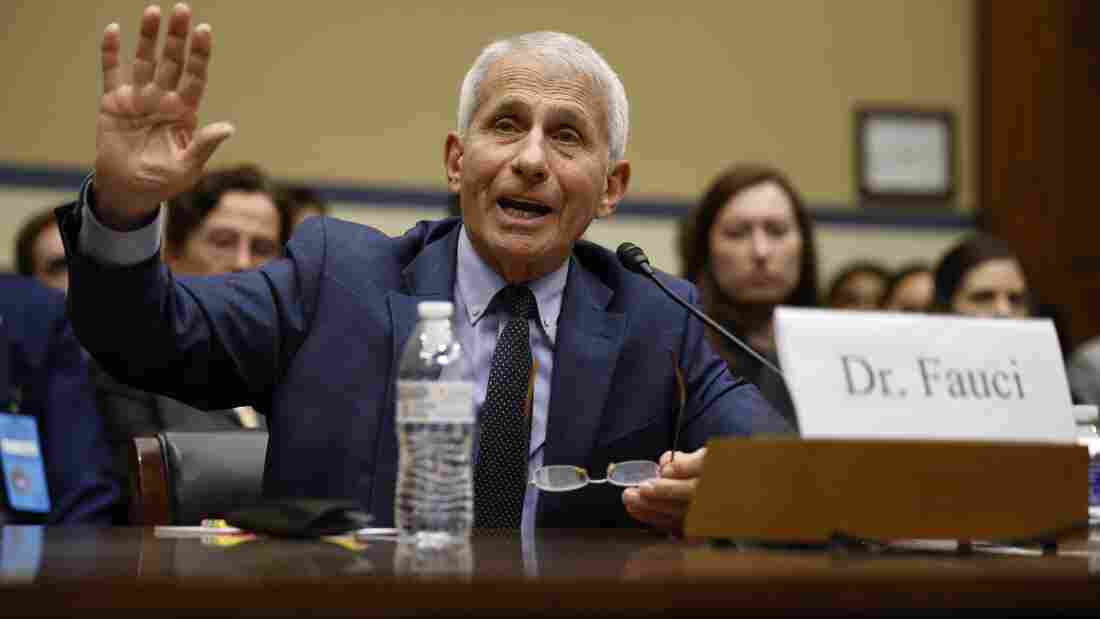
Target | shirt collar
(478,283)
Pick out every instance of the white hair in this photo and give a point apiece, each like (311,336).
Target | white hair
(560,49)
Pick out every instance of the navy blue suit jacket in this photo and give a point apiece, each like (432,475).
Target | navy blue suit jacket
(313,341)
(50,371)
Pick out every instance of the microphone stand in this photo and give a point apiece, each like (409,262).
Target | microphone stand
(634,259)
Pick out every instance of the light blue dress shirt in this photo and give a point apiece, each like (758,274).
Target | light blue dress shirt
(476,283)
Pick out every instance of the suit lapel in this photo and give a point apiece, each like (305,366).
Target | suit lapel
(429,277)
(587,348)
(588,344)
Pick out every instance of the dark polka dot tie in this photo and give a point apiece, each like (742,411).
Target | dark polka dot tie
(500,480)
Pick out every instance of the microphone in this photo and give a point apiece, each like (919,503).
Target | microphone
(634,259)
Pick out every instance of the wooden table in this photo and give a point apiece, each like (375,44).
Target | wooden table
(135,572)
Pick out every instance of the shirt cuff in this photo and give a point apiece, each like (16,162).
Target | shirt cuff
(112,247)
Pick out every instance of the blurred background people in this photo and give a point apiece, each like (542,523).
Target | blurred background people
(981,277)
(39,252)
(46,377)
(858,286)
(228,222)
(298,203)
(750,247)
(910,289)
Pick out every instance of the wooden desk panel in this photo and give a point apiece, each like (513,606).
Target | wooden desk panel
(131,572)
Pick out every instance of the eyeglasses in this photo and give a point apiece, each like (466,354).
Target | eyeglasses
(566,478)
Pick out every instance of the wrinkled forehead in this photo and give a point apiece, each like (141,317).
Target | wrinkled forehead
(548,77)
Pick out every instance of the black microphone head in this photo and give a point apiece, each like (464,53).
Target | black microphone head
(633,258)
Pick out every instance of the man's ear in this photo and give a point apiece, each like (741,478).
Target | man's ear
(452,161)
(618,179)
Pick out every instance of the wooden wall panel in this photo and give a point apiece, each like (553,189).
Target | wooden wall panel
(1038,96)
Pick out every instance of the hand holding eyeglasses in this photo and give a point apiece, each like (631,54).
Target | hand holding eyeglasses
(565,478)
(629,474)
(663,502)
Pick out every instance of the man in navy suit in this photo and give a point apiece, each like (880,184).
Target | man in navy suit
(312,340)
(46,377)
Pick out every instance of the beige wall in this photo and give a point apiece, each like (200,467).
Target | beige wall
(364,91)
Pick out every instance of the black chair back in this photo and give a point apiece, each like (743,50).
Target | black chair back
(202,475)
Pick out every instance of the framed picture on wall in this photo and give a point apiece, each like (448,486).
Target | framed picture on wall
(905,155)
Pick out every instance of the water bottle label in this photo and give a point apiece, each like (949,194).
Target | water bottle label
(435,401)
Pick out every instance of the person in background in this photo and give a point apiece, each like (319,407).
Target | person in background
(39,252)
(981,277)
(858,286)
(46,377)
(298,203)
(752,248)
(910,289)
(228,222)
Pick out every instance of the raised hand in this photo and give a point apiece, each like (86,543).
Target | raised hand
(147,146)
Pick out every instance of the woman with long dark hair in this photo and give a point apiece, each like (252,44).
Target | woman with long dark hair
(749,246)
(981,276)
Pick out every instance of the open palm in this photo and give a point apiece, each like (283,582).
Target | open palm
(147,146)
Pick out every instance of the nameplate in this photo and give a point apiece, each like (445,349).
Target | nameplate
(812,490)
(881,375)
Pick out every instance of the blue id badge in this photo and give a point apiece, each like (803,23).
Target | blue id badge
(21,456)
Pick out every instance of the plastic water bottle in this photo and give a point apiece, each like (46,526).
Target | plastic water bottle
(1086,416)
(434,501)
(412,560)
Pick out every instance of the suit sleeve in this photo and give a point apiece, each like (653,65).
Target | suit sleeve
(212,342)
(719,404)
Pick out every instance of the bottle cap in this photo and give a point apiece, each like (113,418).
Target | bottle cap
(435,309)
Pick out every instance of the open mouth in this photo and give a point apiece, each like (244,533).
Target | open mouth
(523,210)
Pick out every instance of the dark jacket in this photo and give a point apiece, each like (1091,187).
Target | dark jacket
(313,340)
(770,384)
(50,372)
